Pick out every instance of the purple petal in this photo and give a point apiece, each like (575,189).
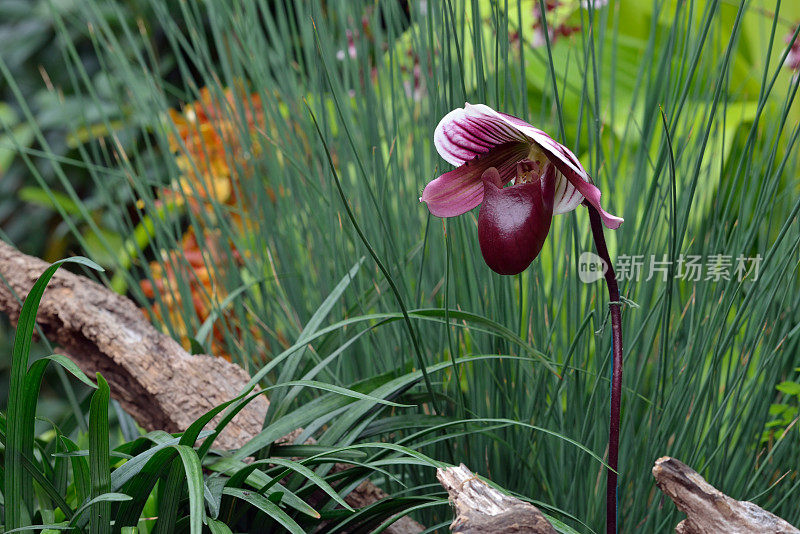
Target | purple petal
(460,190)
(514,221)
(566,162)
(472,131)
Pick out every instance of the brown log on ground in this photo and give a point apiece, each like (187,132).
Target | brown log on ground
(154,379)
(151,375)
(708,510)
(481,509)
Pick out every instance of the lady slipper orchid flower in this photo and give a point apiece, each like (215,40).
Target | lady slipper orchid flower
(490,150)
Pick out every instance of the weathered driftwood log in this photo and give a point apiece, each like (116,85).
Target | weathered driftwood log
(154,379)
(708,510)
(482,509)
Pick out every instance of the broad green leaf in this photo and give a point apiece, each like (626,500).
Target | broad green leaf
(99,461)
(185,471)
(105,498)
(18,488)
(269,508)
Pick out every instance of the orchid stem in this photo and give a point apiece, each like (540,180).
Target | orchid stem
(616,374)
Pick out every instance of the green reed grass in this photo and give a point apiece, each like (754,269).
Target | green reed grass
(702,357)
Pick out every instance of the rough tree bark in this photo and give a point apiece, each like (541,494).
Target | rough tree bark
(481,509)
(708,510)
(153,378)
(151,375)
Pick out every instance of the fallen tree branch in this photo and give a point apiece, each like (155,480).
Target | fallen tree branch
(708,510)
(481,509)
(154,379)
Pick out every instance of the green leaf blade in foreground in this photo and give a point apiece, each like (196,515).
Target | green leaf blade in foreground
(47,487)
(259,479)
(100,500)
(279,404)
(266,506)
(18,488)
(168,505)
(99,459)
(218,527)
(80,470)
(140,486)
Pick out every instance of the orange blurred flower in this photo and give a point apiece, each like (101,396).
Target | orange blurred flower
(212,140)
(201,269)
(211,137)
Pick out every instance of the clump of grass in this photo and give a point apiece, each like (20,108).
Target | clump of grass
(166,483)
